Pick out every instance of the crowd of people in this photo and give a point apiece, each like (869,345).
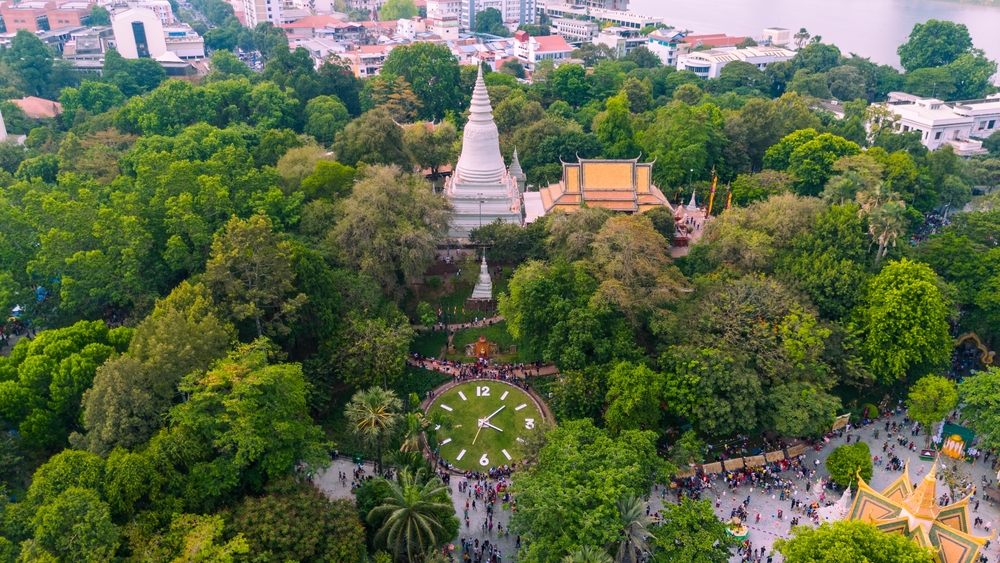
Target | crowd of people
(932,225)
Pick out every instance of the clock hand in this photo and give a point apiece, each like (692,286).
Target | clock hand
(487,419)
(478,431)
(493,427)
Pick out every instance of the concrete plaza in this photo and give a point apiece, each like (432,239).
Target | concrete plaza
(763,533)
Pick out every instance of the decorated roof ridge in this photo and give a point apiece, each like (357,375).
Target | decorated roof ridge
(922,502)
(902,485)
(947,530)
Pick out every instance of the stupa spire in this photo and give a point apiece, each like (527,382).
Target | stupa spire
(480,161)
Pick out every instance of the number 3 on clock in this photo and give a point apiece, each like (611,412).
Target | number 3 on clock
(529,423)
(483,391)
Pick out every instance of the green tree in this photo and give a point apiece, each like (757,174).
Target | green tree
(931,399)
(131,393)
(634,527)
(614,130)
(433,73)
(643,58)
(295,521)
(253,418)
(250,273)
(330,180)
(397,10)
(31,60)
(634,394)
(75,527)
(850,542)
(587,554)
(325,117)
(413,519)
(431,146)
(99,16)
(513,67)
(389,227)
(569,83)
(931,82)
(373,350)
(978,394)
(193,539)
(564,508)
(490,21)
(374,416)
(847,461)
(690,532)
(903,322)
(972,72)
(933,44)
(373,138)
(748,188)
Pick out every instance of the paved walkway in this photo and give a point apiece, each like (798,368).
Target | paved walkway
(763,533)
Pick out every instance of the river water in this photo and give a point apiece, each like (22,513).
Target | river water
(870,28)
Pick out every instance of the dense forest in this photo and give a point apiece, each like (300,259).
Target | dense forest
(210,271)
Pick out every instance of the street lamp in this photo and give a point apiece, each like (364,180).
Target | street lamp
(481,202)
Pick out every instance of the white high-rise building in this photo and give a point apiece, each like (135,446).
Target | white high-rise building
(482,190)
(260,11)
(517,12)
(443,18)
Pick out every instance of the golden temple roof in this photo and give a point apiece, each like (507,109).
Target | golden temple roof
(914,512)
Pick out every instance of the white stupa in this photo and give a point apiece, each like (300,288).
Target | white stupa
(838,510)
(481,190)
(484,286)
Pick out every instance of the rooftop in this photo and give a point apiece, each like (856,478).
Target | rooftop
(730,55)
(551,43)
(38,107)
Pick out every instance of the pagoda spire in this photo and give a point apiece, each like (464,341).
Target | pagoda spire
(480,161)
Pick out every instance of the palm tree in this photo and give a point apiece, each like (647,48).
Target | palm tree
(588,555)
(842,189)
(374,414)
(634,529)
(417,423)
(885,225)
(409,518)
(875,197)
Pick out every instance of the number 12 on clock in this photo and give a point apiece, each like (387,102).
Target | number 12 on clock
(483,391)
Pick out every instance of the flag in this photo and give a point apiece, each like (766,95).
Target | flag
(711,196)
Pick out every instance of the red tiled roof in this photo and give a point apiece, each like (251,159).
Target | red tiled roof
(552,43)
(37,107)
(714,39)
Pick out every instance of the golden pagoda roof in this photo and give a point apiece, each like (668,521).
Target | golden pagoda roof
(922,502)
(914,513)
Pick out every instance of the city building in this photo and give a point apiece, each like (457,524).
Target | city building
(443,18)
(481,190)
(85,47)
(558,9)
(713,40)
(183,41)
(74,14)
(958,124)
(138,34)
(617,185)
(531,50)
(368,6)
(576,30)
(367,60)
(665,44)
(409,29)
(621,40)
(708,64)
(260,11)
(777,36)
(915,513)
(515,12)
(617,5)
(32,16)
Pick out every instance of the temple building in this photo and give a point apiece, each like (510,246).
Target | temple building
(618,185)
(915,513)
(482,190)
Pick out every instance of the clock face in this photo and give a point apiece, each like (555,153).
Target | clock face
(489,420)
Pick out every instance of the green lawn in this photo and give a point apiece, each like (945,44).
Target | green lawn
(496,333)
(490,442)
(430,344)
